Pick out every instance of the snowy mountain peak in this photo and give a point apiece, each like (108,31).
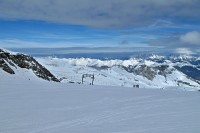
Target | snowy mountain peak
(154,56)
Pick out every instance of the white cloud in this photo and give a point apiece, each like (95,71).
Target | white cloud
(185,51)
(31,44)
(191,38)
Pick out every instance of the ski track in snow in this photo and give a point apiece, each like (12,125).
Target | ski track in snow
(37,106)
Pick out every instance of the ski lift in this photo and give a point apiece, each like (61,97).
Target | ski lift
(88,76)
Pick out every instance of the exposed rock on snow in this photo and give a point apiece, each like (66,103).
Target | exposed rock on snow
(5,67)
(142,70)
(9,62)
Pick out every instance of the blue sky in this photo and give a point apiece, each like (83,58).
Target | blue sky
(112,23)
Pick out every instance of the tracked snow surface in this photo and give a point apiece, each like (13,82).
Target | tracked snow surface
(39,106)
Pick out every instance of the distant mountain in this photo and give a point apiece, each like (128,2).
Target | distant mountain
(11,62)
(189,65)
(150,72)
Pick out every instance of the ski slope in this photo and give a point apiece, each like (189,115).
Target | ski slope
(38,106)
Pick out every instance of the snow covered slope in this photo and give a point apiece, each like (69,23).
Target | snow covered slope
(32,106)
(154,72)
(18,64)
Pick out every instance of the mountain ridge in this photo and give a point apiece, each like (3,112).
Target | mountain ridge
(10,62)
(144,72)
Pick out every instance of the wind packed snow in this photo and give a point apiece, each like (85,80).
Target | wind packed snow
(38,106)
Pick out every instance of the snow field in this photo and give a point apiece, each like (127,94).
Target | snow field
(32,106)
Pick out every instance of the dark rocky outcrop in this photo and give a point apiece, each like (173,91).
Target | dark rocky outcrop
(142,70)
(100,67)
(163,70)
(5,67)
(149,72)
(24,61)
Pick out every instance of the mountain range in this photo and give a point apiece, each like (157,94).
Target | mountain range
(153,71)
